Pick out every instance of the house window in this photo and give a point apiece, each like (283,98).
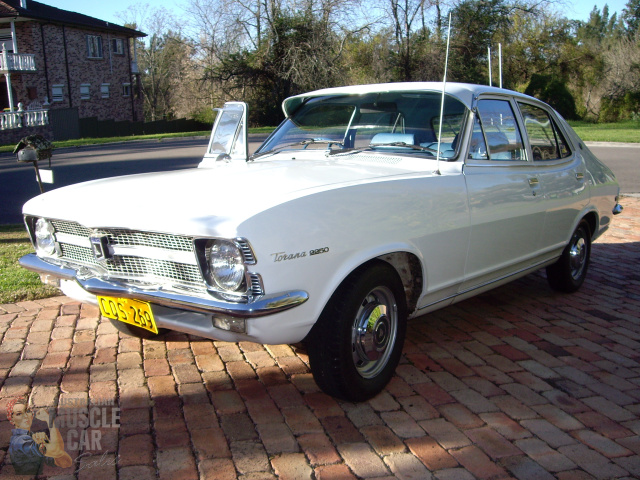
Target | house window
(104,90)
(57,93)
(126,89)
(85,91)
(94,46)
(6,40)
(117,46)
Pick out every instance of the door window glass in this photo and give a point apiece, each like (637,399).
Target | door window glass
(477,147)
(501,133)
(547,143)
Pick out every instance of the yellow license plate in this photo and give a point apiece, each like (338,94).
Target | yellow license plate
(128,310)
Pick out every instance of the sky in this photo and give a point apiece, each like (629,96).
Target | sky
(108,10)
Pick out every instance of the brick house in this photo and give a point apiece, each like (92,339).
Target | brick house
(60,67)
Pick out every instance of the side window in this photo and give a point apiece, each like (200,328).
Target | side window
(117,46)
(57,93)
(547,143)
(501,132)
(94,46)
(478,147)
(85,91)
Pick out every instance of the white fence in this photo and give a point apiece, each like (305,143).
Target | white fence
(24,118)
(17,62)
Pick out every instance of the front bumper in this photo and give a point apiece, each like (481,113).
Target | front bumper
(258,307)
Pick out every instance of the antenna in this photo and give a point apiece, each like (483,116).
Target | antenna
(500,62)
(444,84)
(489,60)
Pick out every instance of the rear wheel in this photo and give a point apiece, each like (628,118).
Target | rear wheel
(356,343)
(570,271)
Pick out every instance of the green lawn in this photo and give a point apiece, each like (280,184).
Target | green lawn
(16,283)
(627,132)
(96,141)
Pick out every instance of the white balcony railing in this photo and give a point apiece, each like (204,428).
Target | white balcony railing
(35,118)
(17,62)
(9,121)
(24,118)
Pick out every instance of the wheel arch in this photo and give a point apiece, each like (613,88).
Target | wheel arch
(409,269)
(592,221)
(407,266)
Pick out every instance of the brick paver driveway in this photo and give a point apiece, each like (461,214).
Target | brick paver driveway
(520,382)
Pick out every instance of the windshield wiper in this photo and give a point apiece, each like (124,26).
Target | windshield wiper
(308,141)
(404,144)
(343,151)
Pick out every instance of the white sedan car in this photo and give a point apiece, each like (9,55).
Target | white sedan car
(368,205)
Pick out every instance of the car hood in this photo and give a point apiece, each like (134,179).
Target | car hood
(199,201)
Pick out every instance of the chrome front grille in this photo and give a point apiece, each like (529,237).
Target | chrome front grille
(146,257)
(71,228)
(78,254)
(137,267)
(77,249)
(158,240)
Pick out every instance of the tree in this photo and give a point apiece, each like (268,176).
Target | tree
(277,49)
(631,17)
(262,51)
(610,87)
(475,24)
(163,59)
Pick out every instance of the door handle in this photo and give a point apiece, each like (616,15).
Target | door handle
(579,176)
(533,182)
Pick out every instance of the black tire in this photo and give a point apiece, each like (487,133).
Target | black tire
(570,271)
(134,331)
(356,344)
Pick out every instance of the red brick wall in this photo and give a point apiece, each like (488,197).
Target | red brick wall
(72,67)
(13,136)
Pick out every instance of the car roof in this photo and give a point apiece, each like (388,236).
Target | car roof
(465,92)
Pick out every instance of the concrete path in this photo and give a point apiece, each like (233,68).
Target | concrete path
(517,383)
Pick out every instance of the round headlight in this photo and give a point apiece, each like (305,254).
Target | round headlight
(226,265)
(45,238)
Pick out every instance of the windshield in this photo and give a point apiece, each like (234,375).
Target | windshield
(406,122)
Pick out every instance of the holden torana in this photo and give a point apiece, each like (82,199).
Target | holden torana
(367,206)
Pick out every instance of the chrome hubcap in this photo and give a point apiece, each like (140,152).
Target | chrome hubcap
(577,256)
(374,332)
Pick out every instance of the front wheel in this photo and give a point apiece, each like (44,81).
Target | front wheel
(570,271)
(356,344)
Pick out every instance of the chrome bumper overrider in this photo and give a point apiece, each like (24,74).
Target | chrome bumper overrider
(258,307)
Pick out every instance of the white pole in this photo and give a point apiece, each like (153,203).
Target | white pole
(14,37)
(500,61)
(489,60)
(444,84)
(9,91)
